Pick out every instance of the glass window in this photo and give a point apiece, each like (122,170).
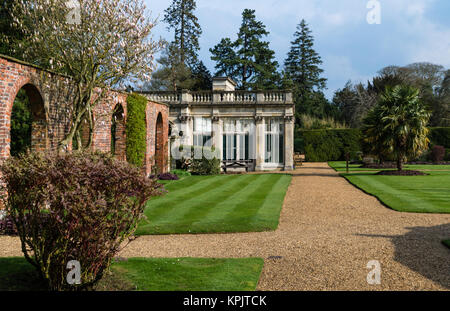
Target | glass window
(274,141)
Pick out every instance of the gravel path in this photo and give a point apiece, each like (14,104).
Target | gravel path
(328,232)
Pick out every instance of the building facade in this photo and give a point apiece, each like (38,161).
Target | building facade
(251,130)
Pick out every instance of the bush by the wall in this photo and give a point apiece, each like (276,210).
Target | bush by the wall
(79,206)
(328,145)
(136,129)
(199,160)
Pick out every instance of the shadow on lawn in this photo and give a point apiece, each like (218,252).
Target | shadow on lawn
(422,251)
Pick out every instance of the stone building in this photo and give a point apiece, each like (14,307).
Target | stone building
(251,130)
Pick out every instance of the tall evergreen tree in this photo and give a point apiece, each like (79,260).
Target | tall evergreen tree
(302,65)
(202,77)
(248,60)
(225,58)
(180,17)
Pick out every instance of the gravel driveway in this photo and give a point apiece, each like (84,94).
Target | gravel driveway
(328,232)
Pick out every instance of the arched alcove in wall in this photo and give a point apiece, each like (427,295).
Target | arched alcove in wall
(118,141)
(28,126)
(159,144)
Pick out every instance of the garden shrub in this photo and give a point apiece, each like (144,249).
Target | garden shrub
(136,129)
(165,176)
(329,145)
(199,160)
(440,136)
(181,172)
(78,206)
(437,153)
(7,226)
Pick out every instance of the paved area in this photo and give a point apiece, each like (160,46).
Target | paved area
(328,233)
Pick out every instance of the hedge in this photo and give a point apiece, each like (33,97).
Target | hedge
(332,144)
(327,145)
(136,129)
(440,136)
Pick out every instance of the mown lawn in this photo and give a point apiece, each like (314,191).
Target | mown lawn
(339,166)
(151,274)
(421,194)
(212,204)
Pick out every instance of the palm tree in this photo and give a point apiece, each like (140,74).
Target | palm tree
(403,122)
(372,135)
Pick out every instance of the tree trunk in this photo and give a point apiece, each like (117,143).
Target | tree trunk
(399,163)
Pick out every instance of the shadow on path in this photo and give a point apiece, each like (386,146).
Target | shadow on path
(422,251)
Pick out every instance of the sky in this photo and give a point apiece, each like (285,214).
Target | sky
(351,48)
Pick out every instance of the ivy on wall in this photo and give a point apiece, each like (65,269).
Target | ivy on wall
(136,129)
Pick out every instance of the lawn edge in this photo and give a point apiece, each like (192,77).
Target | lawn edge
(385,204)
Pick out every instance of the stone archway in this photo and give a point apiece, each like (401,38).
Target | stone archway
(33,104)
(118,141)
(159,145)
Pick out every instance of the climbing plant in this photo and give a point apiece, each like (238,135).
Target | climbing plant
(136,129)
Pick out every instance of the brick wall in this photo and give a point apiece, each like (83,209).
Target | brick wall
(51,98)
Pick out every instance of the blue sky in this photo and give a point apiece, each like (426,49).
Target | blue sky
(350,47)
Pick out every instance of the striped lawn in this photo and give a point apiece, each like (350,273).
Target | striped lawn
(421,194)
(222,203)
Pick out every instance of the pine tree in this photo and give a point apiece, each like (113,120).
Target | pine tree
(172,75)
(225,58)
(302,65)
(202,77)
(248,60)
(180,17)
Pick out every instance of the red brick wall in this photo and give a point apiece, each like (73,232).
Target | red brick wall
(53,118)
(153,109)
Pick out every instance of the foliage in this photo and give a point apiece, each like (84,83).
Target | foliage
(403,121)
(79,206)
(308,122)
(302,67)
(205,166)
(21,124)
(165,176)
(373,136)
(437,153)
(7,226)
(440,136)
(11,34)
(248,60)
(99,43)
(180,17)
(181,172)
(356,100)
(136,129)
(327,145)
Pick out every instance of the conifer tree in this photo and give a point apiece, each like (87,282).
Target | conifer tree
(302,66)
(181,18)
(248,60)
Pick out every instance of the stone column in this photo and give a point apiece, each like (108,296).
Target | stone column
(217,135)
(186,123)
(288,143)
(260,143)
